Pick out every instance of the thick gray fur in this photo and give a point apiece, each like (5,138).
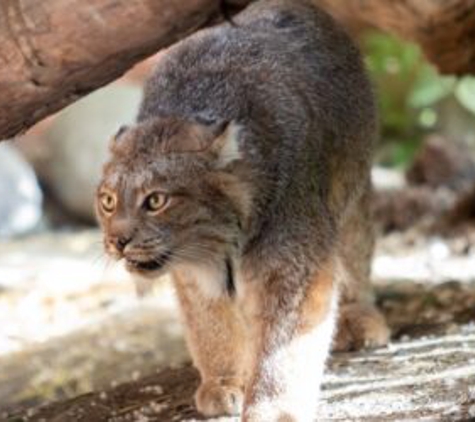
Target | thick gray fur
(296,84)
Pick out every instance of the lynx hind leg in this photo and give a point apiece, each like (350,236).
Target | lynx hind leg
(216,339)
(360,326)
(360,323)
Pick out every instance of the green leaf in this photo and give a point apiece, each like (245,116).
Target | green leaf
(430,88)
(465,93)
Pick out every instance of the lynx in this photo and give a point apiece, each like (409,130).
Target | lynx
(247,177)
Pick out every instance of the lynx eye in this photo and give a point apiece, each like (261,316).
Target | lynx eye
(108,202)
(155,202)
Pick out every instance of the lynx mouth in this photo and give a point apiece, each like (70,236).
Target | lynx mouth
(155,264)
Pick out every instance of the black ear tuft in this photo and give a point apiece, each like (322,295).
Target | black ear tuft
(120,132)
(226,12)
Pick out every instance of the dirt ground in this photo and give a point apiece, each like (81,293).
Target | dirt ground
(72,321)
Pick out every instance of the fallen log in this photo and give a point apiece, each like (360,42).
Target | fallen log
(429,379)
(445,30)
(54,52)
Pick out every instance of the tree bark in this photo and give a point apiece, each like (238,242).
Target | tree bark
(54,52)
(426,379)
(445,30)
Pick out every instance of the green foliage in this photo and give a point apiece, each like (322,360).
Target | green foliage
(465,93)
(393,67)
(409,92)
(400,153)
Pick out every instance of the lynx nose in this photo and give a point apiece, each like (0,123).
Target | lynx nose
(121,242)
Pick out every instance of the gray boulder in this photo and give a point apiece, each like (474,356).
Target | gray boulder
(77,144)
(20,195)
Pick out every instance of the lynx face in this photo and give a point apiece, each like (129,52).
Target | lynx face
(170,194)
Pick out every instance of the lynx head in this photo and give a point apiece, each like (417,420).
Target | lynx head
(173,192)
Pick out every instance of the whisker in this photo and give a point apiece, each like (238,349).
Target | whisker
(99,258)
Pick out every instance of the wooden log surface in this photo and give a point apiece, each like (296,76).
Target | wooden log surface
(445,30)
(427,379)
(54,52)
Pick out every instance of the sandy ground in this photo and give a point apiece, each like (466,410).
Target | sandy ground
(70,319)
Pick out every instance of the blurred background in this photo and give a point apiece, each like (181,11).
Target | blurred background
(71,318)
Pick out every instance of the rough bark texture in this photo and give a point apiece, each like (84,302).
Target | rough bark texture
(54,52)
(445,29)
(426,379)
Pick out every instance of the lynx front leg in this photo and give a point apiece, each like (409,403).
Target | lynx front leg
(216,340)
(295,324)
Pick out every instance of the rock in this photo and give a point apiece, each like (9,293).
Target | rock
(20,206)
(438,189)
(400,209)
(385,179)
(77,145)
(442,163)
(462,214)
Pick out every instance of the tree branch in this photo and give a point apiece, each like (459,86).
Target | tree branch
(445,30)
(54,52)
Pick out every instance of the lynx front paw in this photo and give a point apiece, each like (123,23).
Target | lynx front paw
(271,412)
(220,397)
(360,326)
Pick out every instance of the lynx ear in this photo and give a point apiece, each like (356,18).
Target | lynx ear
(116,139)
(226,145)
(217,138)
(179,136)
(120,132)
